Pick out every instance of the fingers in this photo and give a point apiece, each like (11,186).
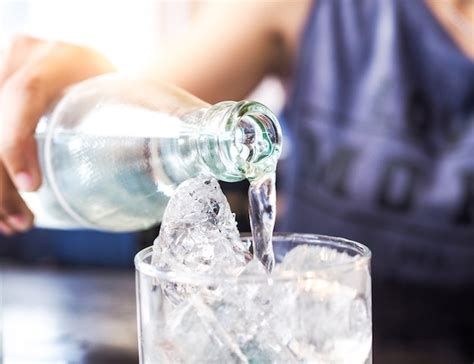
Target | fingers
(26,95)
(18,50)
(20,110)
(14,214)
(5,229)
(22,102)
(79,63)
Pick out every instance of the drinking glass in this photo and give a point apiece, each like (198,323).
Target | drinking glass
(315,307)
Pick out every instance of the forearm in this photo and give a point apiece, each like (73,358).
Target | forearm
(229,49)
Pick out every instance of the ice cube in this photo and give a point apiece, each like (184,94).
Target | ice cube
(198,235)
(241,308)
(191,334)
(324,318)
(244,309)
(309,258)
(239,304)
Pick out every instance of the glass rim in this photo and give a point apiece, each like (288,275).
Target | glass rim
(362,258)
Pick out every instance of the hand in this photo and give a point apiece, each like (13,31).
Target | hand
(33,74)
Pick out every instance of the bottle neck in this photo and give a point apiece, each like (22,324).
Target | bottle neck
(239,140)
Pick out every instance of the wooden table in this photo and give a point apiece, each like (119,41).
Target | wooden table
(68,316)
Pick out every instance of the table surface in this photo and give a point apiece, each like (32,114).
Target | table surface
(83,316)
(68,316)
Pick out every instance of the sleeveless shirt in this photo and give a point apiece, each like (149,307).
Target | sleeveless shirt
(381,115)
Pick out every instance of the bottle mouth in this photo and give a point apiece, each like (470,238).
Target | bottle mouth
(245,140)
(257,139)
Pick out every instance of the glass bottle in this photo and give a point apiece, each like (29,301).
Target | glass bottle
(113,149)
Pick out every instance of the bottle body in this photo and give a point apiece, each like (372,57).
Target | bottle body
(113,150)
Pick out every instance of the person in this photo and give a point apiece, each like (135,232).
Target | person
(380,107)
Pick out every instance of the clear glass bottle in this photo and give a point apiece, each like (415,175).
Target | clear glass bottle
(113,149)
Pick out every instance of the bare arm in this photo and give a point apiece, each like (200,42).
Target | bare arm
(232,46)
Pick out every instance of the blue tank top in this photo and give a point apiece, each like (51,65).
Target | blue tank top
(382,121)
